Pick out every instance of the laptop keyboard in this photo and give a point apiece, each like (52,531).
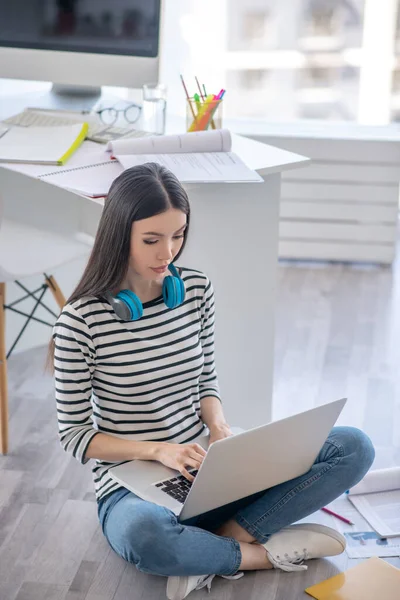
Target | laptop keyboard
(177,487)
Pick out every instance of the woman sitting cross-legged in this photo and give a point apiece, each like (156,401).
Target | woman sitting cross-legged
(135,379)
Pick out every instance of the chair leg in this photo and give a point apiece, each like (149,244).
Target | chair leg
(56,291)
(3,375)
(60,299)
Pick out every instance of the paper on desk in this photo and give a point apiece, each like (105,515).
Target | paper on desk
(196,167)
(377,498)
(216,140)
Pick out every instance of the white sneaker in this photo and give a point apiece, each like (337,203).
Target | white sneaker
(291,545)
(180,587)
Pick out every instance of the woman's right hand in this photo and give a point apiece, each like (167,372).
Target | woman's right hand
(180,456)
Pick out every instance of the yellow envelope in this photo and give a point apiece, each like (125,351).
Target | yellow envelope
(373,579)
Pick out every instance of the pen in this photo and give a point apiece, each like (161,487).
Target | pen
(198,85)
(203,98)
(330,512)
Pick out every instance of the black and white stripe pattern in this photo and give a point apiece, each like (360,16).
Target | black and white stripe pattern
(139,380)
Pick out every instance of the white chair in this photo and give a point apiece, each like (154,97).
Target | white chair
(29,250)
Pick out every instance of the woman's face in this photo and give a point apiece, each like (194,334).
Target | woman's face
(155,242)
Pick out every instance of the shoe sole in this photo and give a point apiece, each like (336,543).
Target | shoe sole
(174,585)
(322,529)
(177,586)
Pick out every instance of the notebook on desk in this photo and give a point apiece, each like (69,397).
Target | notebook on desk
(90,180)
(41,145)
(217,165)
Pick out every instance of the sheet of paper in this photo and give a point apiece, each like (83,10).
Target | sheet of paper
(215,140)
(364,544)
(381,510)
(379,480)
(196,167)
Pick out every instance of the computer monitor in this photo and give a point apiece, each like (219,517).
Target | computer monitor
(80,45)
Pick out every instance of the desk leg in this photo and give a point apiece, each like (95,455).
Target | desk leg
(234,240)
(3,375)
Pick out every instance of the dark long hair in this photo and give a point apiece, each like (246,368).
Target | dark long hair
(138,193)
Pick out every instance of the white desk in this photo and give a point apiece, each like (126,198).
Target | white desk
(233,238)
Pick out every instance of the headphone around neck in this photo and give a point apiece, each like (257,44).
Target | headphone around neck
(128,306)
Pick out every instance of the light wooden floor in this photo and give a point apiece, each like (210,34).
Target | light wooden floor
(338,331)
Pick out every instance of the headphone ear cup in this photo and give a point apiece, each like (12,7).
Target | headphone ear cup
(173,291)
(119,307)
(129,305)
(180,290)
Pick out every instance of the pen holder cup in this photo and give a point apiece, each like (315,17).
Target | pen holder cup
(203,115)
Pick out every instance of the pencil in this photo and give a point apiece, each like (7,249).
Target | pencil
(198,85)
(188,97)
(330,512)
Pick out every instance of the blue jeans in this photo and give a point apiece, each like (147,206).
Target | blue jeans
(150,536)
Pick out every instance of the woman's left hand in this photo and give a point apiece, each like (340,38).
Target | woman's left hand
(219,432)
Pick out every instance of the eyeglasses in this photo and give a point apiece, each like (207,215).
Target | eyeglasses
(130,113)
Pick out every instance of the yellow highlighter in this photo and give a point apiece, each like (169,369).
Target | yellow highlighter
(202,118)
(198,103)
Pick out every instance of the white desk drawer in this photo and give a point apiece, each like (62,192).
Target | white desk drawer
(348,172)
(333,192)
(340,251)
(338,211)
(300,230)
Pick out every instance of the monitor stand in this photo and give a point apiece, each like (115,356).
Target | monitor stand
(72,97)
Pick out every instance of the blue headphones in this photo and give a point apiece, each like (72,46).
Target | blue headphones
(128,306)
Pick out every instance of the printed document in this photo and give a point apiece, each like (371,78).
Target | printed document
(377,498)
(215,140)
(196,167)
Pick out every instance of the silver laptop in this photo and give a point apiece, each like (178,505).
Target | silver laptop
(237,466)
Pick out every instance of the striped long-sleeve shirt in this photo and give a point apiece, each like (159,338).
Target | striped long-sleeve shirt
(138,380)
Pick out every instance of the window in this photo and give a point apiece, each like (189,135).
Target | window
(284,60)
(255,27)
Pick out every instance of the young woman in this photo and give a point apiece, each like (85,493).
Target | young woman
(135,379)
